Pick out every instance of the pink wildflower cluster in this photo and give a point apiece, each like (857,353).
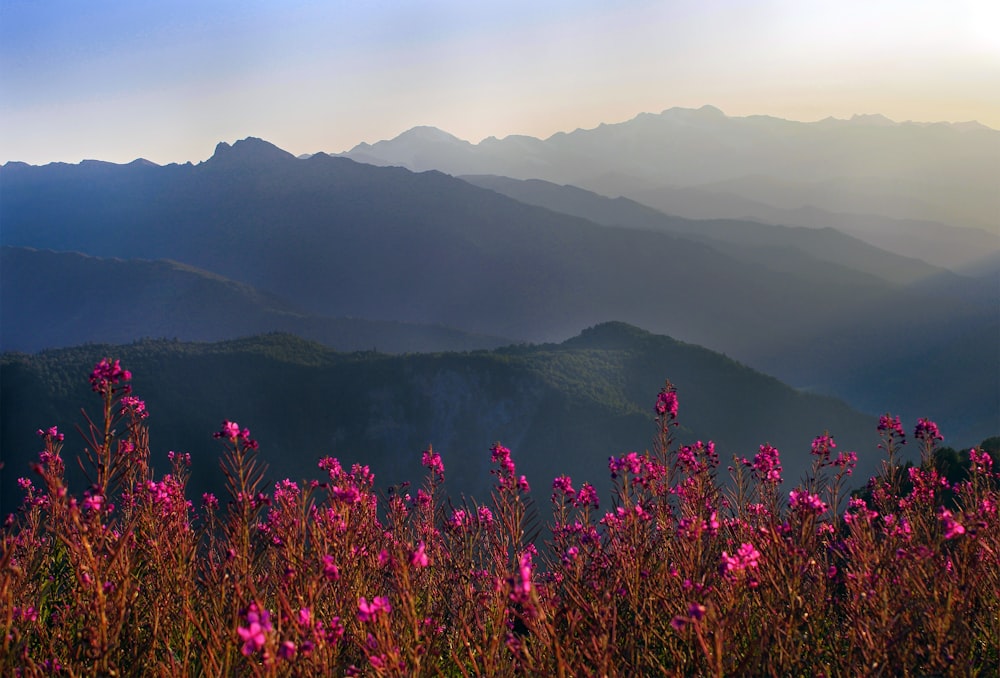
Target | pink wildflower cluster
(666,402)
(766,465)
(846,461)
(980,461)
(521,592)
(107,374)
(952,528)
(370,611)
(135,406)
(927,430)
(254,634)
(697,458)
(823,445)
(51,433)
(231,431)
(432,460)
(858,510)
(419,556)
(886,423)
(562,486)
(801,500)
(507,471)
(632,463)
(745,558)
(587,496)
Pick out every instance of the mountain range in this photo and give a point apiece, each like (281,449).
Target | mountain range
(336,238)
(927,189)
(561,408)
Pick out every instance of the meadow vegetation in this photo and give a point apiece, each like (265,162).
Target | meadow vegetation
(698,566)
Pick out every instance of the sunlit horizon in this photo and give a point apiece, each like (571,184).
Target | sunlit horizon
(120,81)
(209,149)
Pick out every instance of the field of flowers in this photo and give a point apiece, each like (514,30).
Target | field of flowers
(698,567)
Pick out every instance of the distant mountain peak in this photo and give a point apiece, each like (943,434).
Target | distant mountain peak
(612,334)
(874,119)
(429,132)
(419,136)
(709,109)
(247,150)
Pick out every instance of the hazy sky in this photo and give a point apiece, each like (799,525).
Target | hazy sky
(168,80)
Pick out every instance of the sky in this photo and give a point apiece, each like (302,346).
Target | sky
(167,81)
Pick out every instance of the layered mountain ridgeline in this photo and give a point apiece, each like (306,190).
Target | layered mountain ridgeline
(345,239)
(54,299)
(825,254)
(340,238)
(964,365)
(901,186)
(562,408)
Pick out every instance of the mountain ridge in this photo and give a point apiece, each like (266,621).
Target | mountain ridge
(698,147)
(84,301)
(562,408)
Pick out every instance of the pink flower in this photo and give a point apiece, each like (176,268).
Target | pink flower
(846,461)
(666,402)
(419,557)
(857,508)
(800,500)
(889,425)
(587,496)
(93,502)
(230,431)
(952,528)
(332,467)
(370,611)
(432,460)
(458,519)
(767,465)
(522,582)
(53,433)
(27,614)
(330,570)
(501,455)
(980,460)
(822,445)
(135,405)
(287,650)
(927,430)
(629,463)
(254,635)
(746,557)
(563,485)
(106,374)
